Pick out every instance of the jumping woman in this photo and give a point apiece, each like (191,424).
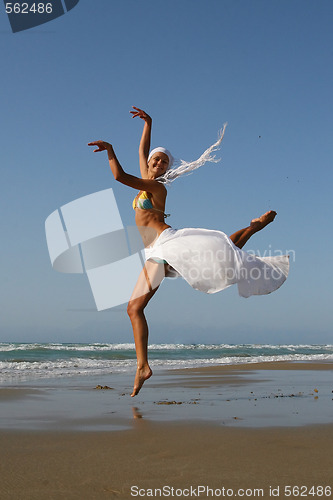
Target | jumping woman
(208,260)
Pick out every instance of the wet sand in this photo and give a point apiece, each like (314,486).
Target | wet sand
(236,427)
(253,395)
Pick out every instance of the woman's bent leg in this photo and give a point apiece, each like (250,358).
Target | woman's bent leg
(145,288)
(243,235)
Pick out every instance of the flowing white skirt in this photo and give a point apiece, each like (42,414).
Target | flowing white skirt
(209,261)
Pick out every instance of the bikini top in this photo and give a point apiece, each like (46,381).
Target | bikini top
(143,201)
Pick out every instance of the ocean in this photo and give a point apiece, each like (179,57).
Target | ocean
(31,361)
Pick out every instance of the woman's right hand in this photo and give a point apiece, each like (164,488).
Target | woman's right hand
(141,114)
(101,146)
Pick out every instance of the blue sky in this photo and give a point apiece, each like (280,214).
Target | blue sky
(264,67)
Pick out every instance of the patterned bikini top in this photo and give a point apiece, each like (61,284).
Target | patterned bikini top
(143,202)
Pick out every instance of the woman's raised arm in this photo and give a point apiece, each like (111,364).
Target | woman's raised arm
(144,146)
(120,175)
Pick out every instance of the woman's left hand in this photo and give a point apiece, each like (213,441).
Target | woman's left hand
(141,114)
(101,145)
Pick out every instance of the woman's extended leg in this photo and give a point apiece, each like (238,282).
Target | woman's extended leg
(146,286)
(243,235)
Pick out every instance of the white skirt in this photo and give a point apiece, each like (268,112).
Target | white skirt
(209,261)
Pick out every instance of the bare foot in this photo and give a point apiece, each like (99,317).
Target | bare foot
(264,220)
(142,374)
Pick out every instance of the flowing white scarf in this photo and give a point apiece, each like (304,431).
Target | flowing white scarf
(182,167)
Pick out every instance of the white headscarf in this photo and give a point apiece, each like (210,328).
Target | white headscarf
(162,150)
(185,168)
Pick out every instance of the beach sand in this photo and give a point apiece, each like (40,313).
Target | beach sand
(106,465)
(161,450)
